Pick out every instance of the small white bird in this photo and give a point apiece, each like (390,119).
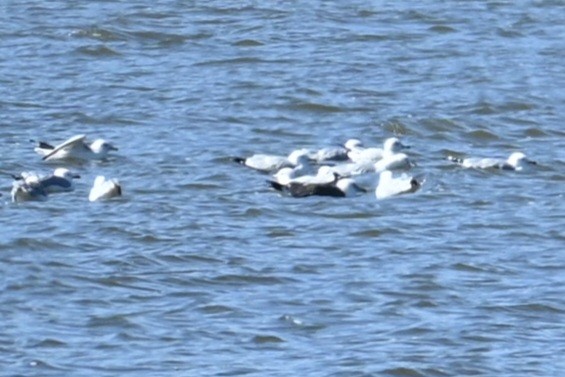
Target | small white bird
(516,161)
(286,176)
(359,154)
(269,163)
(104,189)
(352,144)
(302,167)
(389,186)
(75,148)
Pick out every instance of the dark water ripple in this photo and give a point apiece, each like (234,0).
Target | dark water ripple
(201,269)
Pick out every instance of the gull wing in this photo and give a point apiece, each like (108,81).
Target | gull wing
(73,142)
(298,190)
(54,183)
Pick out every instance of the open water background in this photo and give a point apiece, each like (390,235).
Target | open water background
(200,269)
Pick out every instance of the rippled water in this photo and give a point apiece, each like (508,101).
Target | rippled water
(200,269)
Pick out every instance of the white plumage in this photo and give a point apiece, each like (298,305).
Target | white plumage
(103,189)
(390,186)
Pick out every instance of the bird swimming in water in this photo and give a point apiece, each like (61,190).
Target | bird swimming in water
(516,161)
(75,148)
(104,189)
(391,186)
(338,187)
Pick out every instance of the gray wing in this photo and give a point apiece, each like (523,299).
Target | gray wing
(300,190)
(54,183)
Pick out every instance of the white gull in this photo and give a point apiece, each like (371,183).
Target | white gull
(516,161)
(302,167)
(359,154)
(75,148)
(103,189)
(391,186)
(268,163)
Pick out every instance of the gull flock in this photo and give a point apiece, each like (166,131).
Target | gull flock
(30,186)
(333,171)
(330,171)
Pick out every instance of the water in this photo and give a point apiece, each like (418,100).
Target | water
(200,269)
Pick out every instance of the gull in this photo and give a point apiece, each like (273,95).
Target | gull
(353,144)
(390,186)
(75,148)
(358,153)
(286,176)
(269,163)
(516,161)
(302,168)
(60,181)
(104,189)
(338,187)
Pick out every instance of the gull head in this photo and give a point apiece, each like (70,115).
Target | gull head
(518,160)
(349,186)
(394,145)
(66,174)
(101,146)
(299,157)
(352,144)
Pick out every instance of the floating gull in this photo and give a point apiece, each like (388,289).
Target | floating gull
(359,154)
(353,144)
(302,167)
(338,187)
(285,176)
(517,161)
(104,189)
(75,148)
(389,186)
(60,181)
(269,163)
